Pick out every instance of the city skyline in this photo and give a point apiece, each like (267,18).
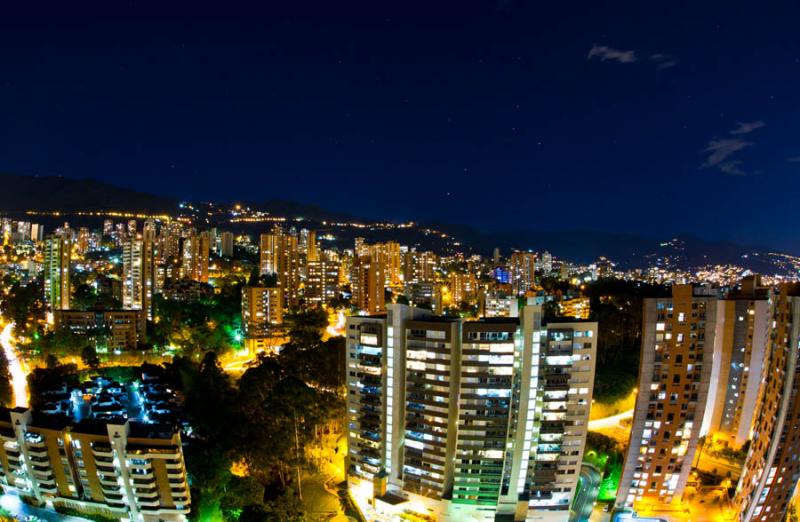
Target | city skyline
(331,106)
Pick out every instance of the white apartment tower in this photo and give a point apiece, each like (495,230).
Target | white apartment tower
(467,420)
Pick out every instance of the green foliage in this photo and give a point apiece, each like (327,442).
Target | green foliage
(204,324)
(612,384)
(6,392)
(281,406)
(89,357)
(42,379)
(24,304)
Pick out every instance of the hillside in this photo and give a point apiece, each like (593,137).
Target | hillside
(55,193)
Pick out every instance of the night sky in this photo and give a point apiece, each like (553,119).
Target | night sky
(655,118)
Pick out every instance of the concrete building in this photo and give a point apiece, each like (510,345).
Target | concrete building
(467,420)
(279,255)
(57,255)
(194,257)
(368,284)
(121,469)
(322,280)
(771,471)
(139,274)
(125,328)
(262,311)
(739,356)
(226,244)
(674,375)
(522,266)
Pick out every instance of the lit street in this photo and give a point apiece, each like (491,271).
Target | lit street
(586,494)
(19,381)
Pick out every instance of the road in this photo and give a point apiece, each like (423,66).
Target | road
(610,422)
(588,487)
(12,503)
(19,382)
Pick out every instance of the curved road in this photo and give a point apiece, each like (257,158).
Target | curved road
(610,422)
(586,494)
(19,380)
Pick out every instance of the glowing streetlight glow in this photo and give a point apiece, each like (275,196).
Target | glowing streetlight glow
(19,381)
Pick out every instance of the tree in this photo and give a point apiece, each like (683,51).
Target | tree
(6,392)
(89,357)
(51,361)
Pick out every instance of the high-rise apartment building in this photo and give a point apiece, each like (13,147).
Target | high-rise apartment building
(131,228)
(467,420)
(368,284)
(771,469)
(322,280)
(419,267)
(463,287)
(739,357)
(139,274)
(194,262)
(119,469)
(279,255)
(262,310)
(226,244)
(674,375)
(522,266)
(57,255)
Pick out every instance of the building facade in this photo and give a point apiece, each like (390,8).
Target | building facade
(125,329)
(771,470)
(57,255)
(674,377)
(262,311)
(467,420)
(138,274)
(127,470)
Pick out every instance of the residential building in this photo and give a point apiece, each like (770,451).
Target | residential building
(770,475)
(123,329)
(674,375)
(262,311)
(279,255)
(139,274)
(739,356)
(578,307)
(467,420)
(322,280)
(194,261)
(57,255)
(522,266)
(368,284)
(116,469)
(226,244)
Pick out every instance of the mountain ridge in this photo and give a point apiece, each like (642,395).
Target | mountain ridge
(71,195)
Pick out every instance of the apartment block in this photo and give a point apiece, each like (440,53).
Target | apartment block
(279,255)
(262,311)
(125,329)
(467,420)
(739,357)
(771,471)
(126,470)
(322,280)
(368,284)
(57,255)
(675,372)
(139,274)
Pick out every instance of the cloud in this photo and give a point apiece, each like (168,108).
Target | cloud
(663,61)
(747,127)
(732,168)
(604,53)
(721,149)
